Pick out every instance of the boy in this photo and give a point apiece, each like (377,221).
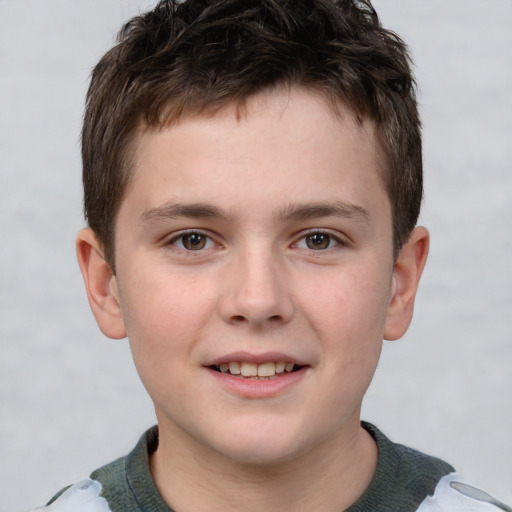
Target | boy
(252,183)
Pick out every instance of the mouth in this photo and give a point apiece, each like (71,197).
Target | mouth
(263,371)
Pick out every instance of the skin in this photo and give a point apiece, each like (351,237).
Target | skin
(257,191)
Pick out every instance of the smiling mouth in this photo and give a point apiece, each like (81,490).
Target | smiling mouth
(268,370)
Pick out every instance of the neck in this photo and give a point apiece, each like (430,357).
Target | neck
(328,478)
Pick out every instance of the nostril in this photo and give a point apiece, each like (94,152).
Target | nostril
(238,319)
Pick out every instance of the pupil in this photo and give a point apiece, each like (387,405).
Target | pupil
(194,242)
(318,241)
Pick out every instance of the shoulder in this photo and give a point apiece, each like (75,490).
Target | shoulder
(404,477)
(83,496)
(407,480)
(113,480)
(105,491)
(453,495)
(114,487)
(405,468)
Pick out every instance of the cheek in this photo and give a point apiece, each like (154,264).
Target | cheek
(349,314)
(159,302)
(355,299)
(162,334)
(164,318)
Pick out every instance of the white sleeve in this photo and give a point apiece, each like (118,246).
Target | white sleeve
(451,495)
(84,496)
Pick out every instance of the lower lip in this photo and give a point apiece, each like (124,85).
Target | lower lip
(258,388)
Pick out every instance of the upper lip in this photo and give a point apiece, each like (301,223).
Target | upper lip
(249,357)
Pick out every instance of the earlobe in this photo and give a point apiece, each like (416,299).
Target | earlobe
(100,284)
(406,276)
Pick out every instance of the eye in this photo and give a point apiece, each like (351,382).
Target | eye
(192,241)
(318,241)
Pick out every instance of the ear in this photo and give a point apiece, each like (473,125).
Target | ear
(406,276)
(101,285)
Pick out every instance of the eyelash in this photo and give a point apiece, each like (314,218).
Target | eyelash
(178,240)
(331,237)
(184,234)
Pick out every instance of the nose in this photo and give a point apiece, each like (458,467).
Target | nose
(256,290)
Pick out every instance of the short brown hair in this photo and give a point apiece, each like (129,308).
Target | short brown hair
(190,57)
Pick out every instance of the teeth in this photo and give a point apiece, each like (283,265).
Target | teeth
(234,368)
(280,367)
(249,369)
(268,369)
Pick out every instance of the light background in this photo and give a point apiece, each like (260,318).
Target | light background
(70,400)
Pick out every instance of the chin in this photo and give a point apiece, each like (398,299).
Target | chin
(262,447)
(261,456)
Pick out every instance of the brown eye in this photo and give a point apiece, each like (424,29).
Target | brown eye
(194,241)
(318,241)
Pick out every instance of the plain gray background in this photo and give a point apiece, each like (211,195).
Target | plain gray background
(70,399)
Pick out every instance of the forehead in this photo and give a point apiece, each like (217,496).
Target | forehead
(281,144)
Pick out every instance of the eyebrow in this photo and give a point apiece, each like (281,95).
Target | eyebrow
(176,210)
(290,212)
(316,210)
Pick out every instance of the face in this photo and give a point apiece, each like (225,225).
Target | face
(254,275)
